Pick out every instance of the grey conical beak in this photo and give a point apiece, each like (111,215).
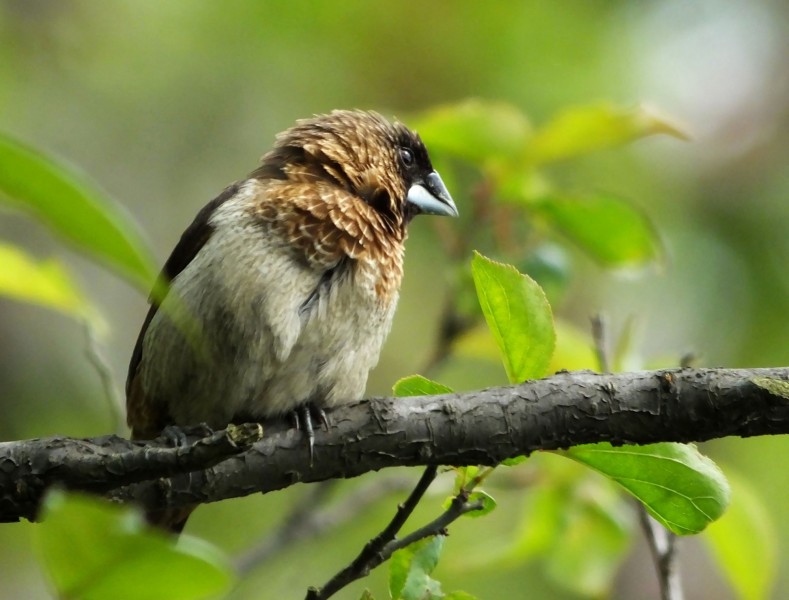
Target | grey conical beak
(431,197)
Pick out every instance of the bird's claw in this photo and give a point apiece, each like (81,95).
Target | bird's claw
(302,420)
(174,435)
(178,437)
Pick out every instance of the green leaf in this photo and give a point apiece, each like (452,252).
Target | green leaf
(410,569)
(514,461)
(463,476)
(586,129)
(74,208)
(519,185)
(681,488)
(611,230)
(95,550)
(458,595)
(367,595)
(591,545)
(46,283)
(488,504)
(474,130)
(576,523)
(519,316)
(746,525)
(416,385)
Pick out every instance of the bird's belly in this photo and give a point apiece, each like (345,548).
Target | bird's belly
(268,348)
(329,363)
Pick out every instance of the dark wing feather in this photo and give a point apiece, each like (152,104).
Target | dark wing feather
(192,240)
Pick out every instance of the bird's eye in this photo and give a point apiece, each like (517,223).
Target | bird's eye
(407,157)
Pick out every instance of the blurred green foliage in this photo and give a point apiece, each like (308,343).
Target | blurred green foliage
(164,104)
(74,209)
(94,551)
(680,488)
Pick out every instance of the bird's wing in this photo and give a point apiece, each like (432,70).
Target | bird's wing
(192,240)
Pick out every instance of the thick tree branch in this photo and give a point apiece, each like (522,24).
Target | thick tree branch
(481,427)
(102,464)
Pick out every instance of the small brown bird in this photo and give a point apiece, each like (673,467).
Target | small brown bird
(292,276)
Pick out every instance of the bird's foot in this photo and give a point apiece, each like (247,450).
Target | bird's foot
(303,420)
(177,436)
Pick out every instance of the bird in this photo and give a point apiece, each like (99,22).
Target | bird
(279,295)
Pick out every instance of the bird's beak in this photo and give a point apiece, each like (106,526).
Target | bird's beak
(431,197)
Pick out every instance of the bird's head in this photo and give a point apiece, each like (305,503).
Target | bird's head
(386,164)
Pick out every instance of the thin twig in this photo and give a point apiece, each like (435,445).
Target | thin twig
(361,565)
(459,507)
(600,346)
(660,540)
(663,549)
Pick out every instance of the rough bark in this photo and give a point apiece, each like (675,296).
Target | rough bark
(480,427)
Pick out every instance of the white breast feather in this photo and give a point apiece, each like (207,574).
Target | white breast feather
(265,356)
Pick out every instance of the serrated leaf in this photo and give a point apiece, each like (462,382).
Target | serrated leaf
(46,283)
(74,208)
(416,385)
(519,316)
(95,550)
(410,569)
(746,524)
(681,488)
(474,130)
(586,129)
(610,230)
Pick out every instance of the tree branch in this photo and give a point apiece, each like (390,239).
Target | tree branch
(480,428)
(372,554)
(29,467)
(662,546)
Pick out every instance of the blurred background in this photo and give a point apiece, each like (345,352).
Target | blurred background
(165,103)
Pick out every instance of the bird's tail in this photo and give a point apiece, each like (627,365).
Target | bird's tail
(171,520)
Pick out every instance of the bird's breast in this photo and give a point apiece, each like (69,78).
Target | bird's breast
(279,330)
